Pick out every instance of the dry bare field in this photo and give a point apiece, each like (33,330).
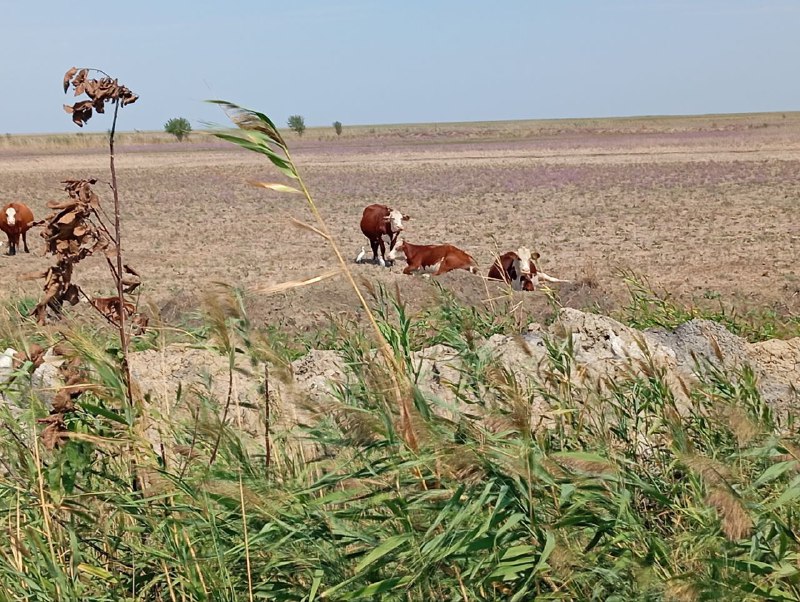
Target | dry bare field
(705,207)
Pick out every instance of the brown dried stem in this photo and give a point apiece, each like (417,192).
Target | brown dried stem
(267,426)
(123,333)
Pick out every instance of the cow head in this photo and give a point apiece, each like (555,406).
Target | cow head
(525,269)
(11,216)
(398,250)
(395,220)
(523,264)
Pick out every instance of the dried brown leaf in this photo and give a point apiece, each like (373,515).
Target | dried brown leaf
(274,186)
(81,112)
(63,401)
(69,216)
(81,77)
(109,307)
(61,204)
(306,226)
(68,77)
(53,434)
(32,275)
(127,268)
(276,288)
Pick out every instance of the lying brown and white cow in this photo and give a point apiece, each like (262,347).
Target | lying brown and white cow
(517,268)
(442,258)
(381,225)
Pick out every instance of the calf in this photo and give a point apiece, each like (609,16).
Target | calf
(15,221)
(517,268)
(381,224)
(443,258)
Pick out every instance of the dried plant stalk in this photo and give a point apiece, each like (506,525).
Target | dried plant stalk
(100,91)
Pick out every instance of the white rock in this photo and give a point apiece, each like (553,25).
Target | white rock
(7,364)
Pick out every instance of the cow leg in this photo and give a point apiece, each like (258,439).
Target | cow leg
(374,244)
(410,268)
(382,258)
(392,243)
(445,265)
(544,276)
(25,241)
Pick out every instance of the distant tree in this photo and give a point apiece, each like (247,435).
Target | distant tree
(337,125)
(297,123)
(178,127)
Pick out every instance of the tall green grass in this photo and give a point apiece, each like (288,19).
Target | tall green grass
(609,493)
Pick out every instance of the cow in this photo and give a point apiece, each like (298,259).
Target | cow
(517,268)
(15,221)
(381,225)
(443,258)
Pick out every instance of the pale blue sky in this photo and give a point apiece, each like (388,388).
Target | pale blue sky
(370,62)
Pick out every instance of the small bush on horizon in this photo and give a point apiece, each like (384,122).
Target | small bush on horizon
(337,125)
(297,124)
(178,127)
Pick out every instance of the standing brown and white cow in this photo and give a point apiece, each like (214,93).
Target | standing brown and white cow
(381,225)
(517,269)
(442,258)
(15,221)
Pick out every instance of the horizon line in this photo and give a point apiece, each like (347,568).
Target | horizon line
(432,123)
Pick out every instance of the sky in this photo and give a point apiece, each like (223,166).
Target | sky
(410,61)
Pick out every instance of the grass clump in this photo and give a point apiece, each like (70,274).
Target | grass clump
(648,308)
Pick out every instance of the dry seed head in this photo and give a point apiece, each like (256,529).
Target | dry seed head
(740,424)
(590,466)
(736,522)
(711,471)
(362,427)
(681,591)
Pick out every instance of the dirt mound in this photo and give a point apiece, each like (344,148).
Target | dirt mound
(603,350)
(183,387)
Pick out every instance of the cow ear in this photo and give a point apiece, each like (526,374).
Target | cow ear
(535,255)
(386,218)
(405,217)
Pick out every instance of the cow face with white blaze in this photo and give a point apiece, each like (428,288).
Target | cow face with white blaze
(11,216)
(522,264)
(525,270)
(395,219)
